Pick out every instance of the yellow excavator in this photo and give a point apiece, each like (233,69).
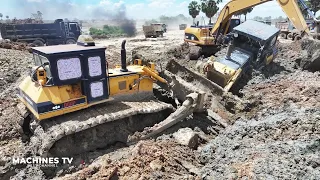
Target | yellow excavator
(253,44)
(206,40)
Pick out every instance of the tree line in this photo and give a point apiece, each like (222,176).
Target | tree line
(210,8)
(36,16)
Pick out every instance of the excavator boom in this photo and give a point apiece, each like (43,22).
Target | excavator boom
(207,39)
(290,8)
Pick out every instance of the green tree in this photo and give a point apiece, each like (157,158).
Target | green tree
(245,12)
(39,13)
(7,17)
(194,9)
(1,15)
(314,5)
(209,8)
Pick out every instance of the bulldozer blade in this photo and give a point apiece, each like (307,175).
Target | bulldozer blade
(194,78)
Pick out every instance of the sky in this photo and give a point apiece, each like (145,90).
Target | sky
(135,9)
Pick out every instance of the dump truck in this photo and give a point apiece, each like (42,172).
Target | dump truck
(163,25)
(154,30)
(288,31)
(182,26)
(59,32)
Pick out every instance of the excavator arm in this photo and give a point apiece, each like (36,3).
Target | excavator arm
(290,8)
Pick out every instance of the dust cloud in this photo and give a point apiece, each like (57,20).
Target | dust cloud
(57,9)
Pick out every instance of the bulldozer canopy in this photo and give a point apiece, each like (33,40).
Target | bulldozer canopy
(256,30)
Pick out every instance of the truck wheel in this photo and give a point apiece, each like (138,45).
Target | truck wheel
(38,43)
(283,35)
(31,45)
(297,38)
(290,36)
(71,41)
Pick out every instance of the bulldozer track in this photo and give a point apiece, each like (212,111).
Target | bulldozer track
(48,132)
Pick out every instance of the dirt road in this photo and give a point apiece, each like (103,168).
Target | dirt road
(151,48)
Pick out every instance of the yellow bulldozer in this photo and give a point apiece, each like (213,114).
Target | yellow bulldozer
(72,102)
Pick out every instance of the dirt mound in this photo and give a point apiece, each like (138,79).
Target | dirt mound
(305,53)
(311,58)
(14,66)
(14,45)
(277,134)
(179,52)
(163,159)
(265,149)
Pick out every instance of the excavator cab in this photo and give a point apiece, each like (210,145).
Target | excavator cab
(254,44)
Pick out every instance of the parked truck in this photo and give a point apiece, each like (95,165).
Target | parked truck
(288,31)
(153,30)
(59,32)
(182,26)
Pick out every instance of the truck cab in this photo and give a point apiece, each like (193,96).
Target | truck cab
(71,30)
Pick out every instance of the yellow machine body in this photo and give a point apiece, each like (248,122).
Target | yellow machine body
(70,97)
(47,93)
(199,36)
(221,74)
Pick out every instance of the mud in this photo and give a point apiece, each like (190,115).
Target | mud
(14,66)
(278,136)
(15,45)
(282,145)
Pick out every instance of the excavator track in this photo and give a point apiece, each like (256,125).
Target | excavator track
(95,127)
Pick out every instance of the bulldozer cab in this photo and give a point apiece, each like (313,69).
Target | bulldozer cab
(253,43)
(73,64)
(257,38)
